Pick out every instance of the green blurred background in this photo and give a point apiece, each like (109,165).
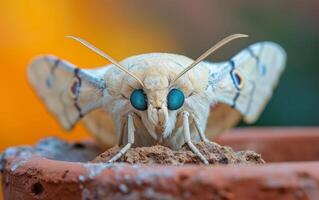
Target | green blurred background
(196,25)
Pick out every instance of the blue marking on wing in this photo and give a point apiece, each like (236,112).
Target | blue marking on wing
(262,70)
(261,67)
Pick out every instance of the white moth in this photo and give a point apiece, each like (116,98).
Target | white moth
(158,98)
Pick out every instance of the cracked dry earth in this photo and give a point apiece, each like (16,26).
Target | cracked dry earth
(158,154)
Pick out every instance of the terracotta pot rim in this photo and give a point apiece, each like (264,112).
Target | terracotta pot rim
(38,161)
(87,171)
(239,133)
(34,177)
(80,169)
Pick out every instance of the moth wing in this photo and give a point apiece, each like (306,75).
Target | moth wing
(68,92)
(245,83)
(101,126)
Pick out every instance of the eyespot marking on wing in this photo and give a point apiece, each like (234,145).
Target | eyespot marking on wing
(75,84)
(69,92)
(232,64)
(237,78)
(259,66)
(75,88)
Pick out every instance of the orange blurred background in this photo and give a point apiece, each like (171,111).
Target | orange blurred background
(29,28)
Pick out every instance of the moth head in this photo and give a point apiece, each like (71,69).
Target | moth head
(160,109)
(157,103)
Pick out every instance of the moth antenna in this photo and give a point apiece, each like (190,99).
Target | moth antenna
(209,52)
(104,55)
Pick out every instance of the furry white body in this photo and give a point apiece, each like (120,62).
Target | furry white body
(156,70)
(107,89)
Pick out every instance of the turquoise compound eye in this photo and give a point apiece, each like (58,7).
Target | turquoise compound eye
(175,99)
(139,100)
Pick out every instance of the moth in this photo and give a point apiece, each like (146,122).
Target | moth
(158,98)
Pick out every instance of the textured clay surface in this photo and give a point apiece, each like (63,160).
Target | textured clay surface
(38,172)
(158,154)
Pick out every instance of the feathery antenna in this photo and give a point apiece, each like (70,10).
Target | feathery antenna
(208,52)
(104,55)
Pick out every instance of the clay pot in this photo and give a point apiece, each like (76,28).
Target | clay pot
(27,175)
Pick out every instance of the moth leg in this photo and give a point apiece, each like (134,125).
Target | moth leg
(130,135)
(188,141)
(203,137)
(202,134)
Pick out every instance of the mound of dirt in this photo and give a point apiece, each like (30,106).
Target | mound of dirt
(158,154)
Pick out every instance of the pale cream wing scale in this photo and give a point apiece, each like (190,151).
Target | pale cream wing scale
(244,83)
(101,126)
(68,92)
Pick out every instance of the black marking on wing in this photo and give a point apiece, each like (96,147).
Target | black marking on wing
(252,53)
(235,99)
(261,68)
(55,65)
(261,71)
(76,105)
(232,64)
(51,77)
